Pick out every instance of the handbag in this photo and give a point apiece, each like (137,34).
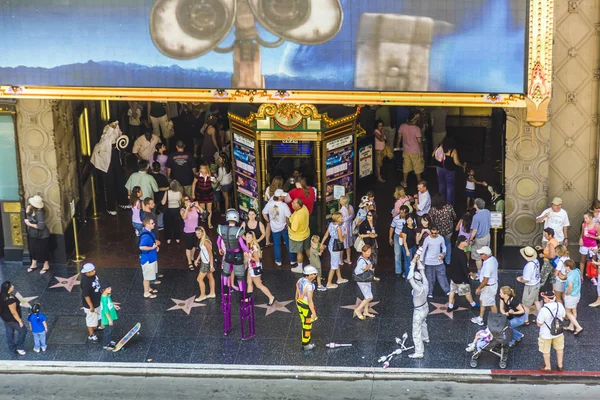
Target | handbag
(338,245)
(366,276)
(170,131)
(591,270)
(359,243)
(387,152)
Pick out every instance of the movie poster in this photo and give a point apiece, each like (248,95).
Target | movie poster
(244,157)
(339,162)
(365,161)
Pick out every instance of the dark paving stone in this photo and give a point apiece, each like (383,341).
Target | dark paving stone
(171,349)
(216,350)
(149,324)
(323,328)
(294,355)
(444,355)
(213,327)
(258,351)
(355,329)
(187,326)
(386,347)
(73,352)
(64,302)
(273,326)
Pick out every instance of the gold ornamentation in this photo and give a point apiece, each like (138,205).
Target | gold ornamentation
(12,207)
(15,229)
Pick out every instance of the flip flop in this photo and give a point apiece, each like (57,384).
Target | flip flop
(31,269)
(150,296)
(153,291)
(191,267)
(578,332)
(156,282)
(160,276)
(43,271)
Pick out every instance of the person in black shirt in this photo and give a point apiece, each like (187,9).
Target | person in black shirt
(10,308)
(409,240)
(90,294)
(458,272)
(368,233)
(181,167)
(163,185)
(514,311)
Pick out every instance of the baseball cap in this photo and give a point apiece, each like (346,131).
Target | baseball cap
(279,193)
(104,285)
(549,294)
(88,267)
(557,201)
(485,250)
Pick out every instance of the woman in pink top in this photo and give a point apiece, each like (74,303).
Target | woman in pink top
(589,238)
(401,199)
(379,147)
(190,214)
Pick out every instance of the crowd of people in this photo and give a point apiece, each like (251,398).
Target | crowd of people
(180,192)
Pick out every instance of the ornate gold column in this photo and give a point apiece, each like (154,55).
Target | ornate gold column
(539,89)
(263,165)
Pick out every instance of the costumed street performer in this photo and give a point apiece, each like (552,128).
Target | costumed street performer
(232,247)
(420,286)
(305,288)
(106,157)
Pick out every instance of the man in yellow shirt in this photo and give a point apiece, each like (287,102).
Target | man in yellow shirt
(299,233)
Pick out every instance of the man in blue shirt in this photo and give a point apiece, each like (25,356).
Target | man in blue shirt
(149,257)
(480,231)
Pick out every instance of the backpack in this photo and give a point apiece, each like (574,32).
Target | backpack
(555,327)
(140,240)
(439,154)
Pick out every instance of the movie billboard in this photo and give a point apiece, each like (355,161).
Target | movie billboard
(371,45)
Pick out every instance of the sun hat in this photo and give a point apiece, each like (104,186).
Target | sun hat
(528,253)
(36,201)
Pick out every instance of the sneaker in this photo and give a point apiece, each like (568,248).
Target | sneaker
(36,350)
(21,352)
(448,294)
(278,263)
(415,355)
(112,343)
(110,347)
(595,281)
(309,346)
(425,340)
(293,262)
(44,349)
(112,212)
(477,320)
(93,338)
(297,270)
(470,348)
(430,296)
(341,281)
(322,288)
(100,328)
(450,309)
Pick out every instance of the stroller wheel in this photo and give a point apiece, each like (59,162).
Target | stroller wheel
(502,364)
(473,362)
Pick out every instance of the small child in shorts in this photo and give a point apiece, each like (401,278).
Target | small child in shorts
(38,326)
(470,187)
(482,338)
(109,315)
(315,259)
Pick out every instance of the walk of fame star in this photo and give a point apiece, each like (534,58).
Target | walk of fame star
(185,305)
(358,301)
(443,309)
(24,300)
(277,306)
(66,283)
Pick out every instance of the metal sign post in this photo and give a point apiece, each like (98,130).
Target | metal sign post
(497,219)
(78,257)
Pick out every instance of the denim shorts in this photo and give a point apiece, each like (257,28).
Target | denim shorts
(227,188)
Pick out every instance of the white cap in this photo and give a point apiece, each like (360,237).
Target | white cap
(485,250)
(279,193)
(309,270)
(88,267)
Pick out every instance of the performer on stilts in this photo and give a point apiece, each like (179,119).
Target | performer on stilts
(106,157)
(232,247)
(420,286)
(305,288)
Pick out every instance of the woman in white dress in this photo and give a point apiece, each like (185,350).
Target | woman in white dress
(347,212)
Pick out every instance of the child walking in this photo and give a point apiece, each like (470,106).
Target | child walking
(315,259)
(109,315)
(38,326)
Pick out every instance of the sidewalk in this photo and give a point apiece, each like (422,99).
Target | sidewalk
(170,335)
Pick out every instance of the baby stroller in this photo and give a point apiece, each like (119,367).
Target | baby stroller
(498,345)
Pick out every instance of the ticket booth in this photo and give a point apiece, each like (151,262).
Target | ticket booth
(278,139)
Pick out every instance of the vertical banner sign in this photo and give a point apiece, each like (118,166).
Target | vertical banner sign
(244,157)
(339,171)
(365,161)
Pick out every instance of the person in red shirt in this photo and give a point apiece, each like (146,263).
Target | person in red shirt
(302,192)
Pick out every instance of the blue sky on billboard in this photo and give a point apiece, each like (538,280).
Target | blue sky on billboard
(487,40)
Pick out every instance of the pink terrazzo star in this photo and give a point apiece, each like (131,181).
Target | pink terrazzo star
(277,306)
(185,305)
(24,300)
(443,309)
(66,283)
(358,301)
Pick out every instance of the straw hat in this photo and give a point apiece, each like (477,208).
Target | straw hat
(37,201)
(528,253)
